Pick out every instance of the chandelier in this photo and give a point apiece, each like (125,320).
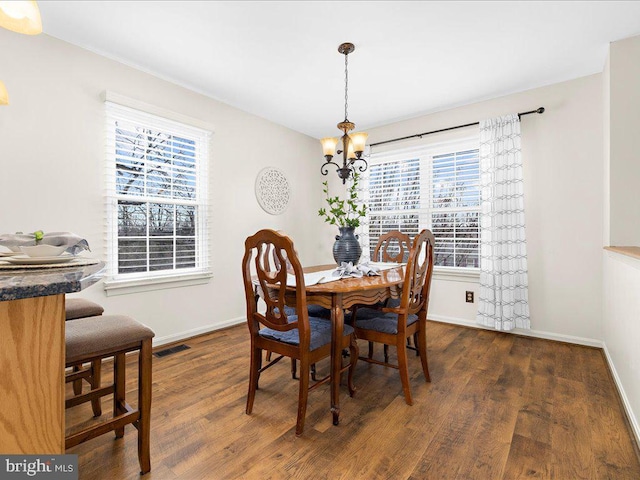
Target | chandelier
(21,17)
(352,144)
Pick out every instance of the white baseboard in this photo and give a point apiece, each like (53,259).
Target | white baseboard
(158,341)
(623,396)
(589,342)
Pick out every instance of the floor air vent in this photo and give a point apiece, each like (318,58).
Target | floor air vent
(169,351)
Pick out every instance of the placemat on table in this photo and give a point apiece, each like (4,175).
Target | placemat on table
(78,262)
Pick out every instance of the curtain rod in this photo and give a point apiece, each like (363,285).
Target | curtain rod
(537,110)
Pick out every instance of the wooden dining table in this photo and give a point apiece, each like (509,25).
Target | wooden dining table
(342,294)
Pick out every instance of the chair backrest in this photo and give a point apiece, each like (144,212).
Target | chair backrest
(266,257)
(417,282)
(393,246)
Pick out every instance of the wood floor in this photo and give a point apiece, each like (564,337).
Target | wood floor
(499,407)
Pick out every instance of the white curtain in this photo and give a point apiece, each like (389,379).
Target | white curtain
(503,299)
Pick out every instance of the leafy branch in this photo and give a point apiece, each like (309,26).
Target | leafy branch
(343,213)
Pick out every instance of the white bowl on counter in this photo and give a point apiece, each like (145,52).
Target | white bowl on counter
(43,251)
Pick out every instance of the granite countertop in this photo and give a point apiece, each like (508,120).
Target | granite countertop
(18,284)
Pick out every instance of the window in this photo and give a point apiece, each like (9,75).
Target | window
(434,187)
(156,196)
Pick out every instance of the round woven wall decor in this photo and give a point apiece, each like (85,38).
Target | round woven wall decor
(272,190)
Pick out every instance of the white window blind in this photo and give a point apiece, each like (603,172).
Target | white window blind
(433,187)
(394,199)
(455,208)
(156,198)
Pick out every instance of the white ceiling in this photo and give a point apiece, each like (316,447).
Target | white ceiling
(279,60)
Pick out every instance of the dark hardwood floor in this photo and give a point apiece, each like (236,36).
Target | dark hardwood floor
(499,406)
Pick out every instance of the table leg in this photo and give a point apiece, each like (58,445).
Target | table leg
(337,328)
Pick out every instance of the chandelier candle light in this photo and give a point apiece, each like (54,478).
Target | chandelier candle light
(4,96)
(21,17)
(352,145)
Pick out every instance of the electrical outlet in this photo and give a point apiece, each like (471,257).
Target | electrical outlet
(469,296)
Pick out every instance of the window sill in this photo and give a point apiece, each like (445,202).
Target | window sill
(125,287)
(453,274)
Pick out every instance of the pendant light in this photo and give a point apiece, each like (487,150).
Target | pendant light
(352,144)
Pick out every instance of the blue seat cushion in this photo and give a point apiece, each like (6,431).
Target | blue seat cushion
(314,311)
(318,311)
(371,319)
(288,311)
(374,311)
(393,303)
(320,333)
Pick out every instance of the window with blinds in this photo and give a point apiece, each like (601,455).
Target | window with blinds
(157,195)
(394,199)
(436,188)
(455,208)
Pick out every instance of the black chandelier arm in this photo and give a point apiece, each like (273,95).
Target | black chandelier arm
(361,168)
(323,168)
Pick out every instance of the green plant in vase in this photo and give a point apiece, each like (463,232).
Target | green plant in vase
(346,215)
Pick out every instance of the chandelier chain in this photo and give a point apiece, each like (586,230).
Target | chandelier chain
(346,86)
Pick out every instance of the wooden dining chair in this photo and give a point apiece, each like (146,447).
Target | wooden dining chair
(271,262)
(299,337)
(393,246)
(393,325)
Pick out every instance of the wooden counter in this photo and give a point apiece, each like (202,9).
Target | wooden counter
(32,355)
(633,252)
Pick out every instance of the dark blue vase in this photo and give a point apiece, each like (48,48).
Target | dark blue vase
(347,248)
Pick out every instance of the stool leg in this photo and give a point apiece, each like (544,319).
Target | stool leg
(77,384)
(119,393)
(96,404)
(144,405)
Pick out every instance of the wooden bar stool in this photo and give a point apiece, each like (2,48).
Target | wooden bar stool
(75,308)
(95,338)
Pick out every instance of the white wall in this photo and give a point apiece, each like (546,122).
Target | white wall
(621,328)
(621,281)
(51,172)
(562,156)
(624,141)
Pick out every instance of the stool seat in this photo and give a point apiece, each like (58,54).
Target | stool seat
(87,338)
(79,307)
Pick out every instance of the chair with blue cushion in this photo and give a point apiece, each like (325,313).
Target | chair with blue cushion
(393,246)
(394,325)
(299,337)
(270,261)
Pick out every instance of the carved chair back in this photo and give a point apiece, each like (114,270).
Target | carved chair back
(393,246)
(267,255)
(417,283)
